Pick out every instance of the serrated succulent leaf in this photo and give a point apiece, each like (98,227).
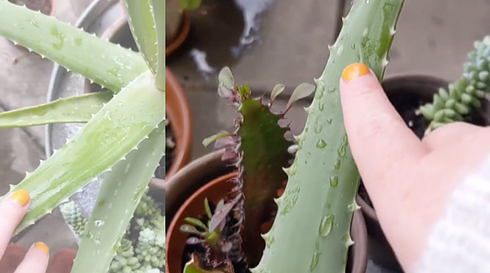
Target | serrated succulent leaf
(142,25)
(301,91)
(261,154)
(79,109)
(196,222)
(120,193)
(158,10)
(105,63)
(214,138)
(315,211)
(112,133)
(226,78)
(220,214)
(276,91)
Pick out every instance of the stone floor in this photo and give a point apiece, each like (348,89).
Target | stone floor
(291,48)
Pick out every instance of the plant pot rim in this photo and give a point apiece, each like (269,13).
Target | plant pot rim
(213,160)
(185,26)
(177,110)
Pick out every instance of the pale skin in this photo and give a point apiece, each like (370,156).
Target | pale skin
(12,210)
(409,180)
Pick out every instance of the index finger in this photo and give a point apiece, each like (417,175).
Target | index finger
(12,210)
(379,138)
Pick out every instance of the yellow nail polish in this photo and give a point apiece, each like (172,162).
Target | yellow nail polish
(42,246)
(354,70)
(21,197)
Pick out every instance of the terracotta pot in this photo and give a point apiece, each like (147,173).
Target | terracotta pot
(177,110)
(177,26)
(402,90)
(198,173)
(61,261)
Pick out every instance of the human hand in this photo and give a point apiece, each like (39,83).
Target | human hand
(12,210)
(408,180)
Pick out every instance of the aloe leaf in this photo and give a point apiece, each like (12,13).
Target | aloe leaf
(142,25)
(107,64)
(121,191)
(78,109)
(158,9)
(316,208)
(112,133)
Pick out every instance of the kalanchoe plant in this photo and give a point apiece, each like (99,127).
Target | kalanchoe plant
(455,102)
(124,134)
(259,150)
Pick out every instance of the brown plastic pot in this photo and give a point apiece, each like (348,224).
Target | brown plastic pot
(405,89)
(61,261)
(177,109)
(177,26)
(207,177)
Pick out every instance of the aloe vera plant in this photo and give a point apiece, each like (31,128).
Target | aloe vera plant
(311,229)
(124,134)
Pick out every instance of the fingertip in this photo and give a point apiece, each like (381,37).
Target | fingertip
(20,197)
(355,70)
(42,247)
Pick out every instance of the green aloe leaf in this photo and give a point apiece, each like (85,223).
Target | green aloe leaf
(121,191)
(107,64)
(142,25)
(79,109)
(112,133)
(158,9)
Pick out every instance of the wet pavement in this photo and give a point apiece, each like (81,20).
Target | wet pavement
(289,46)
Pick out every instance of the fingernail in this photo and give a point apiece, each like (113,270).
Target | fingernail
(354,70)
(20,197)
(42,246)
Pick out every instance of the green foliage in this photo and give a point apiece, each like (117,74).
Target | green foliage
(315,212)
(121,132)
(456,102)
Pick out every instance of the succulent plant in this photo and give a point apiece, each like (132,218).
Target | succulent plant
(124,134)
(311,230)
(142,247)
(456,101)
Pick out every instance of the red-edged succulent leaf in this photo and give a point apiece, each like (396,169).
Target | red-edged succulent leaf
(260,152)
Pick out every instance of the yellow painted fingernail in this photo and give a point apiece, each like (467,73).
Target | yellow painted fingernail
(354,70)
(21,197)
(42,246)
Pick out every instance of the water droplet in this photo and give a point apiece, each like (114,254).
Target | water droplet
(346,238)
(326,225)
(317,126)
(331,90)
(321,144)
(290,198)
(98,223)
(334,181)
(320,106)
(337,164)
(343,147)
(269,240)
(329,121)
(314,260)
(353,46)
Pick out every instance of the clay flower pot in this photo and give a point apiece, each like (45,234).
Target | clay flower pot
(61,261)
(406,93)
(177,25)
(177,109)
(210,176)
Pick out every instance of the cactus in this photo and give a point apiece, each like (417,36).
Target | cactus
(124,132)
(315,211)
(456,101)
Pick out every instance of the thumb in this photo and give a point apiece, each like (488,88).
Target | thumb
(378,136)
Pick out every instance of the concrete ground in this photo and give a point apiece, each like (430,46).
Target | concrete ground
(433,38)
